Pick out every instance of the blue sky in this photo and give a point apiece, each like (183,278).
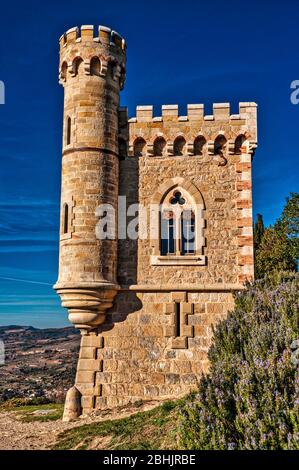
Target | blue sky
(178,53)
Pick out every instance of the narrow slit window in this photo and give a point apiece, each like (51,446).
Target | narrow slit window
(177,319)
(65,218)
(68,130)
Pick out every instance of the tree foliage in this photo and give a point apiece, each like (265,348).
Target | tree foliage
(277,247)
(259,230)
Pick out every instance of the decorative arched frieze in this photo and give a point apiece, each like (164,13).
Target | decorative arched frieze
(77,63)
(139,147)
(159,146)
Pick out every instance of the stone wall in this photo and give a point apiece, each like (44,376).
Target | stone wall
(135,355)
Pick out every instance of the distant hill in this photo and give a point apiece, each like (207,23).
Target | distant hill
(38,362)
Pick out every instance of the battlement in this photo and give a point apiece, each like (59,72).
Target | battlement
(95,52)
(89,34)
(195,112)
(196,132)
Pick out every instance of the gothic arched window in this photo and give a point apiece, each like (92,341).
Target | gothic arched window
(177,224)
(177,235)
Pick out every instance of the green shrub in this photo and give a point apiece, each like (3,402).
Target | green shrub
(250,398)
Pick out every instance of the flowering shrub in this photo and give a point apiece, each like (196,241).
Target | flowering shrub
(250,398)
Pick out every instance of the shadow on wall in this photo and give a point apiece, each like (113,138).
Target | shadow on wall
(128,187)
(125,303)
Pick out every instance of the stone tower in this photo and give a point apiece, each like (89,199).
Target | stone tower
(146,306)
(92,72)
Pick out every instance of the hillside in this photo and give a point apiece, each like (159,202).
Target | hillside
(38,363)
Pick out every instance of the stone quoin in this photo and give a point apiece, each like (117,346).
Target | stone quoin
(146,307)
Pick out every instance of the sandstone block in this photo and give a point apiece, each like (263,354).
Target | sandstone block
(178,296)
(179,343)
(87,353)
(92,341)
(85,376)
(187,308)
(90,364)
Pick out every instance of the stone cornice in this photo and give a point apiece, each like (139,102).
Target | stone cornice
(184,287)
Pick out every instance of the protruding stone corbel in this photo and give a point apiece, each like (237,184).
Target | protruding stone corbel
(252,147)
(150,149)
(87,306)
(86,65)
(190,148)
(169,149)
(211,146)
(131,150)
(104,67)
(61,79)
(70,69)
(231,146)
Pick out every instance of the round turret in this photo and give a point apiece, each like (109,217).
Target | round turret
(92,72)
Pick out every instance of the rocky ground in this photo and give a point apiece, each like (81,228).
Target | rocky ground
(17,434)
(38,363)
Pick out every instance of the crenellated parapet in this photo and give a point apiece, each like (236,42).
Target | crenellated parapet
(100,53)
(195,112)
(220,134)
